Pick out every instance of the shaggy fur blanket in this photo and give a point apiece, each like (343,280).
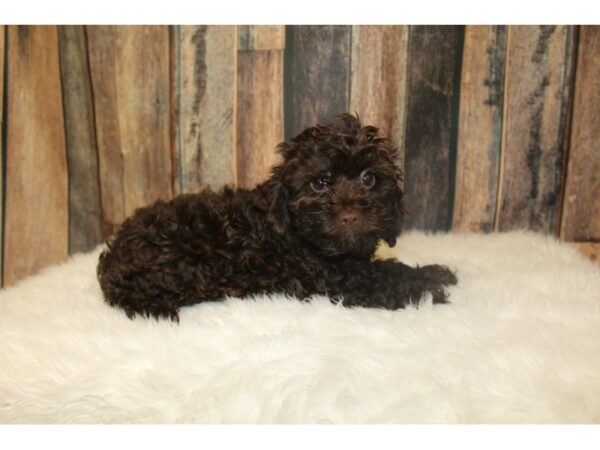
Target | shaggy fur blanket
(519,342)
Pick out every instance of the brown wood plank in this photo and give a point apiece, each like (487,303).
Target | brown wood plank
(378,78)
(2,56)
(259,113)
(537,91)
(261,37)
(317,74)
(434,55)
(205,76)
(36,222)
(85,210)
(479,128)
(581,208)
(129,68)
(590,250)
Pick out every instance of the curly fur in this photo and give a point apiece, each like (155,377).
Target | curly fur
(311,228)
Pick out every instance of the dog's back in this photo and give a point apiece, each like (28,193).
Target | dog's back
(171,254)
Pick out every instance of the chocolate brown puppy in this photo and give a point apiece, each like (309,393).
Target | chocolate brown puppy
(311,228)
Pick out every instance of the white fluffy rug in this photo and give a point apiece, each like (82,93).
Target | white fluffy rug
(520,342)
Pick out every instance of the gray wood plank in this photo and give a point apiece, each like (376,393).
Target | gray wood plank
(85,209)
(205,73)
(536,99)
(317,74)
(434,57)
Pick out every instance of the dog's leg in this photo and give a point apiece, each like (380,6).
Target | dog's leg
(390,284)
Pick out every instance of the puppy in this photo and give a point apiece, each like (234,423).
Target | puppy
(311,228)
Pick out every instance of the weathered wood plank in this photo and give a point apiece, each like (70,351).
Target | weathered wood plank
(581,208)
(433,73)
(590,250)
(378,78)
(205,74)
(317,74)
(130,77)
(36,222)
(479,128)
(259,113)
(261,37)
(537,90)
(85,210)
(2,56)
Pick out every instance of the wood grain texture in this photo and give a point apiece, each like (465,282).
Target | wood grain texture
(259,113)
(205,80)
(130,77)
(378,78)
(85,210)
(317,74)
(36,222)
(479,128)
(434,54)
(2,57)
(538,86)
(581,208)
(261,37)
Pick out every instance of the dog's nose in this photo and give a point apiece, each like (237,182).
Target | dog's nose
(348,216)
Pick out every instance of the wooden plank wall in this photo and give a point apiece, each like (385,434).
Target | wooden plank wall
(36,220)
(537,93)
(498,125)
(317,74)
(581,210)
(480,128)
(434,55)
(259,101)
(204,71)
(378,77)
(2,91)
(130,73)
(85,210)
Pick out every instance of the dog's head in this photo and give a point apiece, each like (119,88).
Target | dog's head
(338,188)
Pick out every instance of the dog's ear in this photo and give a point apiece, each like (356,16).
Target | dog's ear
(278,213)
(399,213)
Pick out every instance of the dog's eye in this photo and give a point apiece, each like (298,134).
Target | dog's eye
(319,184)
(367,179)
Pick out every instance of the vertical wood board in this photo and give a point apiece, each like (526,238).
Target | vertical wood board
(378,78)
(205,85)
(261,37)
(36,222)
(434,56)
(85,210)
(537,90)
(317,74)
(130,77)
(2,91)
(581,209)
(259,113)
(479,128)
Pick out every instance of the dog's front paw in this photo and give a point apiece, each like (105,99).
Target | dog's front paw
(436,277)
(439,274)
